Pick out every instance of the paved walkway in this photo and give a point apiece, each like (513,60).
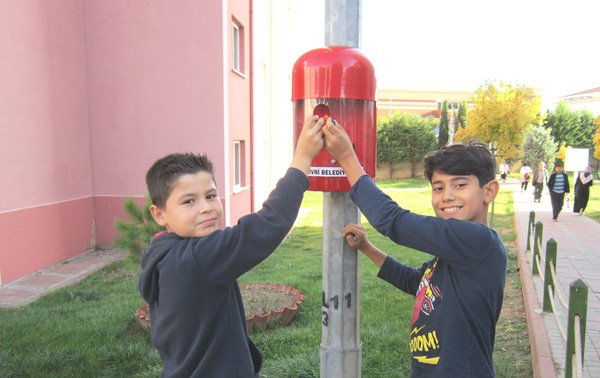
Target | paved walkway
(578,256)
(29,288)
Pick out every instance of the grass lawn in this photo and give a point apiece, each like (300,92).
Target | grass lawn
(593,208)
(88,330)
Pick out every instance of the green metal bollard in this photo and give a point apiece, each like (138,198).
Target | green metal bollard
(530,227)
(578,299)
(551,248)
(539,232)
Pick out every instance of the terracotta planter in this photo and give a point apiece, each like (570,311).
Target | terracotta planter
(275,317)
(143,316)
(256,322)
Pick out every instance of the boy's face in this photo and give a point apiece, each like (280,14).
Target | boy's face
(193,209)
(460,197)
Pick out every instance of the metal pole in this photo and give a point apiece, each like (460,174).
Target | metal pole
(342,23)
(341,350)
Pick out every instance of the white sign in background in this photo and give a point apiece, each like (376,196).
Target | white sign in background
(576,159)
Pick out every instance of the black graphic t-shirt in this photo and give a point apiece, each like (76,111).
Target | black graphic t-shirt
(458,294)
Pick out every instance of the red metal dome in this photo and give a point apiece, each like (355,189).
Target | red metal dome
(333,72)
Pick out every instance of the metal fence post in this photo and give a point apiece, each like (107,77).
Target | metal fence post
(539,231)
(551,247)
(530,226)
(578,298)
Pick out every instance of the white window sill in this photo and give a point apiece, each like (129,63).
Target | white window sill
(239,189)
(238,73)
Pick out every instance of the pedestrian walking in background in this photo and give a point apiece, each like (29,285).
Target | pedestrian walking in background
(538,182)
(558,185)
(504,170)
(526,173)
(582,190)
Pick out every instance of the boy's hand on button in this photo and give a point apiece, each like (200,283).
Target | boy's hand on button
(310,143)
(337,141)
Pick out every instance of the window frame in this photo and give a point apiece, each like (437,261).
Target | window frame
(238,62)
(237,165)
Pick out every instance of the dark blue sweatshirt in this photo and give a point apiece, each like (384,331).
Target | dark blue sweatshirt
(196,309)
(458,294)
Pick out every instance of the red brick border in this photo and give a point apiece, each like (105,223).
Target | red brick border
(541,354)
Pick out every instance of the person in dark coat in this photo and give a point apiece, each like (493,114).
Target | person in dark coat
(582,190)
(558,185)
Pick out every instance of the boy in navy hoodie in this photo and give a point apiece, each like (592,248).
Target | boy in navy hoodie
(190,272)
(459,292)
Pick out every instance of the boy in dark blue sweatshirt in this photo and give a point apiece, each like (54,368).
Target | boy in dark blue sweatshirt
(459,292)
(190,272)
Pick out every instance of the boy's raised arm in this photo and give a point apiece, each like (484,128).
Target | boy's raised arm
(339,146)
(310,143)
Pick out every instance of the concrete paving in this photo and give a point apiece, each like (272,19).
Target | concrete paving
(578,257)
(29,288)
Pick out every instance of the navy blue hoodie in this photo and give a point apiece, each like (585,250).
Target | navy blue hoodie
(196,309)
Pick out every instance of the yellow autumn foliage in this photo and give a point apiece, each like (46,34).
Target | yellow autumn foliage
(597,138)
(500,116)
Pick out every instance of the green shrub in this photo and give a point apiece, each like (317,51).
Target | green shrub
(136,233)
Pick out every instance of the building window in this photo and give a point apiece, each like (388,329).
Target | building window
(237,48)
(451,104)
(238,165)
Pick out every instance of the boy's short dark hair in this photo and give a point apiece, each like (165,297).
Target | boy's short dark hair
(462,159)
(167,170)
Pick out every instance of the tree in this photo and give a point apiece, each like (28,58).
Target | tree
(576,128)
(562,151)
(461,117)
(539,146)
(444,135)
(500,117)
(135,234)
(597,138)
(404,138)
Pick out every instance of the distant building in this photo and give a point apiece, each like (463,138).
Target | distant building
(587,100)
(426,103)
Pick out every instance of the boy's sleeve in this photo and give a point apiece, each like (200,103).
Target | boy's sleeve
(459,243)
(400,275)
(225,255)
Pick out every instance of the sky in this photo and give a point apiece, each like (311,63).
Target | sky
(458,45)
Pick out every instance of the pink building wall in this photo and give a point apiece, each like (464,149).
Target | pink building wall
(93,93)
(155,78)
(46,206)
(239,116)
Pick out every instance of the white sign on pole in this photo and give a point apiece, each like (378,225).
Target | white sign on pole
(576,159)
